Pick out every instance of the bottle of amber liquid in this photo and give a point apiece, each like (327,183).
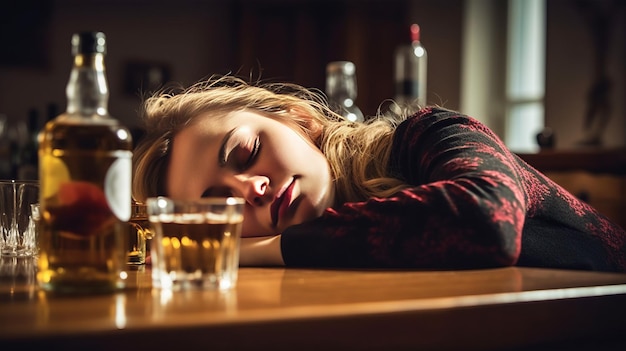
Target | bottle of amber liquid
(85,159)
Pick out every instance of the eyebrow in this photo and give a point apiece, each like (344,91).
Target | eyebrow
(221,156)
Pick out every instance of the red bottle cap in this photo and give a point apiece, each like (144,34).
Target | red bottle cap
(415,32)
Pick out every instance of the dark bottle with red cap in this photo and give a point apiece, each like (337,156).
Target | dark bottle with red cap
(411,61)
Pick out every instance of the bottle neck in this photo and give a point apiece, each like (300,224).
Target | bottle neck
(340,86)
(87,90)
(341,90)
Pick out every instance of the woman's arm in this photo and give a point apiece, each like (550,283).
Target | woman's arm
(464,207)
(261,251)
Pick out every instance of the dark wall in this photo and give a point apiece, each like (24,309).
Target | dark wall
(288,40)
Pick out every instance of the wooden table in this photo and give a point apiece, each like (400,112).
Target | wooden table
(306,309)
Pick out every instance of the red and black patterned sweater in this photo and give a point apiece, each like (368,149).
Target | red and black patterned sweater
(472,204)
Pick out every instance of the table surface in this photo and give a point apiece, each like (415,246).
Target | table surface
(302,309)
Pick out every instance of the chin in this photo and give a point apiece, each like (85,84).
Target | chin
(307,212)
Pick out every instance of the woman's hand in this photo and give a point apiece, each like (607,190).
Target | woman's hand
(261,251)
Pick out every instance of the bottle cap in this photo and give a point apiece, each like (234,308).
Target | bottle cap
(89,43)
(415,32)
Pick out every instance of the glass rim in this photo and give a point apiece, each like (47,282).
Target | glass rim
(19,181)
(212,200)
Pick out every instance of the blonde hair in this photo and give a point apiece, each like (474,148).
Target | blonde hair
(358,153)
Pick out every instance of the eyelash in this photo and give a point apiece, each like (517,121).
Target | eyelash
(252,157)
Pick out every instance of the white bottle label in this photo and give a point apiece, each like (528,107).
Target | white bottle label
(117,187)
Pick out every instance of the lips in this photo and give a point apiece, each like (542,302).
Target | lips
(281,203)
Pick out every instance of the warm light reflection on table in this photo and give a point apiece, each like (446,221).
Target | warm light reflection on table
(351,309)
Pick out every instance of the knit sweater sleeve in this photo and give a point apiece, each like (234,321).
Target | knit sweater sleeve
(464,208)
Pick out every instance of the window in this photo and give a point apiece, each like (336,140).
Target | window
(525,84)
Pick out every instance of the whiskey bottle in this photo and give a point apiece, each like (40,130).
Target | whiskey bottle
(85,175)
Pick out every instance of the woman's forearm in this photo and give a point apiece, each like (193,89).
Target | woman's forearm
(261,251)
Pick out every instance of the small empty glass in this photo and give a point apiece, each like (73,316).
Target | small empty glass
(17,226)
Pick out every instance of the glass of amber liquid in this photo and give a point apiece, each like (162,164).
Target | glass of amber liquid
(196,242)
(139,233)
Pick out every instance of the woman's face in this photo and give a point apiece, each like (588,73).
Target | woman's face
(284,178)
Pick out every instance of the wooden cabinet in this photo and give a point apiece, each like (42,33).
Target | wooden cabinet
(287,40)
(595,176)
(294,40)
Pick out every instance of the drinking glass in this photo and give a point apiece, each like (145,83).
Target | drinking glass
(19,235)
(139,233)
(196,242)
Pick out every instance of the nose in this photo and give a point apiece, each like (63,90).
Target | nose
(255,189)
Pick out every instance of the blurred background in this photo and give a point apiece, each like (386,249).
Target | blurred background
(526,68)
(485,57)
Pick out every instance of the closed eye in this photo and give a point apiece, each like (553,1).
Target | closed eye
(239,149)
(253,154)
(243,155)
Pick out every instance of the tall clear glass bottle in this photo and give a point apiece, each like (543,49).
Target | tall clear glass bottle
(85,159)
(341,89)
(411,61)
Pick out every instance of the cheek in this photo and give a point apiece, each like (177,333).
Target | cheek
(295,152)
